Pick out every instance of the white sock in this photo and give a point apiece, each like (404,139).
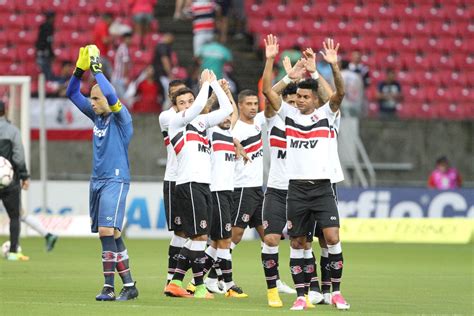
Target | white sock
(35,224)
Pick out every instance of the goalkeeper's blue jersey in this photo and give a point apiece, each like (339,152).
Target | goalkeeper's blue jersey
(111,135)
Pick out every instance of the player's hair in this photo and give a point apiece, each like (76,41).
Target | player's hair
(309,84)
(215,106)
(181,91)
(290,89)
(176,82)
(246,93)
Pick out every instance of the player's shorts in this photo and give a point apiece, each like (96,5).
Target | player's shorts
(225,6)
(194,202)
(315,229)
(221,227)
(247,207)
(171,211)
(274,211)
(307,198)
(107,203)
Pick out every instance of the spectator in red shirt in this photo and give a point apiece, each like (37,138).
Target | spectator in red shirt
(103,40)
(142,14)
(147,94)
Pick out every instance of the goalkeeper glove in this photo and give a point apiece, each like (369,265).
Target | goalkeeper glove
(94,53)
(82,63)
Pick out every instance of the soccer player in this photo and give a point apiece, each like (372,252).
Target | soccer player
(274,210)
(222,184)
(11,149)
(309,169)
(188,134)
(169,183)
(110,179)
(35,224)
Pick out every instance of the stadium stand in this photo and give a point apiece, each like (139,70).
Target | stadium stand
(425,41)
(74,24)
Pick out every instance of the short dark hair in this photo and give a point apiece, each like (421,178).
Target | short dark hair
(246,93)
(181,91)
(176,82)
(310,84)
(290,89)
(442,159)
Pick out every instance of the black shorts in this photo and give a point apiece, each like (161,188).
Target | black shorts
(171,211)
(247,207)
(307,198)
(315,229)
(194,201)
(221,227)
(274,211)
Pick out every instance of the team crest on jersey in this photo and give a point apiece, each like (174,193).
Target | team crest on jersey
(245,218)
(228,227)
(203,224)
(257,128)
(314,118)
(265,224)
(289,224)
(177,220)
(201,125)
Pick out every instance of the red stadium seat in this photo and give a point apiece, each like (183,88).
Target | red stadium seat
(8,54)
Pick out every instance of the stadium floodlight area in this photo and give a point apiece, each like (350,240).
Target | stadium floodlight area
(18,112)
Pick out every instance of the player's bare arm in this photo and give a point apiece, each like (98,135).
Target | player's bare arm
(235,111)
(240,151)
(271,51)
(324,89)
(330,56)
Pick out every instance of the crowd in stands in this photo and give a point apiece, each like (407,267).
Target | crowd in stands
(385,75)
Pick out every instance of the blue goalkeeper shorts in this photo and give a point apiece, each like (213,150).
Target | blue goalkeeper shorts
(107,203)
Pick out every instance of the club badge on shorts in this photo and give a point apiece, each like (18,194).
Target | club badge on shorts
(177,220)
(203,224)
(245,218)
(289,224)
(228,227)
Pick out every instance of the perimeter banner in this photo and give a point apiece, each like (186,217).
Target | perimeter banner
(368,215)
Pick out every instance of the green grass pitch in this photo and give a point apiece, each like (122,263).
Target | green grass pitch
(378,279)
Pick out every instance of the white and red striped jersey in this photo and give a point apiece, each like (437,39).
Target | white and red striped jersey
(222,159)
(308,142)
(250,137)
(171,171)
(277,176)
(203,16)
(337,174)
(189,138)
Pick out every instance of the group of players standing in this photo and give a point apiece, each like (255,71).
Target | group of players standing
(214,178)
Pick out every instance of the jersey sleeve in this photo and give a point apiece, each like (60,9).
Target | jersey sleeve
(123,115)
(326,111)
(74,94)
(225,107)
(164,120)
(185,117)
(286,110)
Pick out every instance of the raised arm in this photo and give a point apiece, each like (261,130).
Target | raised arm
(73,91)
(324,89)
(271,50)
(185,117)
(330,56)
(225,107)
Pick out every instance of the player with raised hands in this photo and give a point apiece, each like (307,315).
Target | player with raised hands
(110,178)
(189,137)
(309,170)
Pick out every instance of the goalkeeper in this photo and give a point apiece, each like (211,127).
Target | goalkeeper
(110,178)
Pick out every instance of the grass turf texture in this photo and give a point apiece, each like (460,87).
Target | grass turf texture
(378,279)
